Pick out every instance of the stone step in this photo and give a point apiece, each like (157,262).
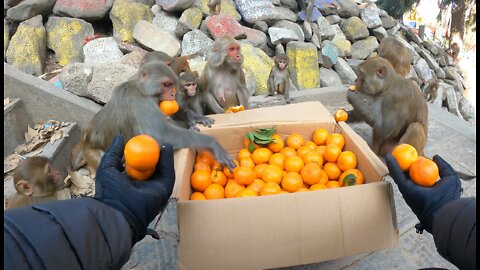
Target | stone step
(15,122)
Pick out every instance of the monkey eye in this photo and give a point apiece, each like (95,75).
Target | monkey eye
(167,84)
(190,84)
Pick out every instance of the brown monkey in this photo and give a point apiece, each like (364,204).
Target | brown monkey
(222,84)
(278,80)
(189,101)
(430,91)
(178,64)
(133,110)
(395,52)
(454,50)
(157,56)
(215,6)
(36,181)
(391,104)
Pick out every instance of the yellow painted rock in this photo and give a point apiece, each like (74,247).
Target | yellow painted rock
(304,70)
(124,15)
(259,64)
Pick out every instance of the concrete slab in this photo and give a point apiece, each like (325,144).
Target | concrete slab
(15,122)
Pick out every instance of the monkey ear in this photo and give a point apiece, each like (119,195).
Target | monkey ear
(23,186)
(381,71)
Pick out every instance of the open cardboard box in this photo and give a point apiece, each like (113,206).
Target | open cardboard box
(285,229)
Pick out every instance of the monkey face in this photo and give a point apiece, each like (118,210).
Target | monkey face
(282,64)
(372,75)
(234,56)
(168,90)
(191,88)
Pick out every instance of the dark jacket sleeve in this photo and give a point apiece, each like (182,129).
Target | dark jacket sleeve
(72,234)
(455,231)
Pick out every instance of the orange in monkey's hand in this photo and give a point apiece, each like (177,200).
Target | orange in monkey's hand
(424,172)
(235,109)
(340,115)
(141,155)
(405,155)
(352,88)
(169,107)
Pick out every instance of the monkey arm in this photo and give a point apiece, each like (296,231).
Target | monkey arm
(365,107)
(212,103)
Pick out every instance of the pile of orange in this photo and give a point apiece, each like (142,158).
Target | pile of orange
(422,171)
(141,155)
(293,164)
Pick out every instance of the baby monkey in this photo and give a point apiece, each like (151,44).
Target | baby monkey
(279,79)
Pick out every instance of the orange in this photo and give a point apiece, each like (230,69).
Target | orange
(336,138)
(261,155)
(311,145)
(206,157)
(302,150)
(292,181)
(244,175)
(247,193)
(227,172)
(217,166)
(294,164)
(141,153)
(246,142)
(214,191)
(332,151)
(288,152)
(243,153)
(256,185)
(202,166)
(340,115)
(311,173)
(405,155)
(318,186)
(247,162)
(277,145)
(302,189)
(169,107)
(333,184)
(270,188)
(258,169)
(321,149)
(218,177)
(278,160)
(320,136)
(332,170)
(200,180)
(351,177)
(313,157)
(272,173)
(295,140)
(347,160)
(424,172)
(139,175)
(197,196)
(232,189)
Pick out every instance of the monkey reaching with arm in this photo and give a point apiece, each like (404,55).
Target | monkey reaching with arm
(279,78)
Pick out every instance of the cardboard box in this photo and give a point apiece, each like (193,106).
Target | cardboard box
(286,229)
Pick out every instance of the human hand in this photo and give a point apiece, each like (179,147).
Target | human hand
(138,201)
(425,201)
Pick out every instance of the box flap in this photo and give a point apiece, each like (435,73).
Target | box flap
(183,164)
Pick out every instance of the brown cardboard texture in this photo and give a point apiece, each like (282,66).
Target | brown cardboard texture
(286,229)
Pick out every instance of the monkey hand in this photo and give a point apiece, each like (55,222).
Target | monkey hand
(425,201)
(138,201)
(206,121)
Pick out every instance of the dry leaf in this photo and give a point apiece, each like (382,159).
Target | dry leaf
(34,153)
(80,181)
(63,194)
(30,134)
(56,136)
(21,149)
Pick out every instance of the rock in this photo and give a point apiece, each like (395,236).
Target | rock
(124,16)
(370,17)
(329,78)
(338,32)
(263,10)
(440,73)
(467,110)
(307,31)
(354,63)
(195,41)
(133,59)
(128,48)
(413,74)
(6,36)
(258,63)
(363,48)
(198,65)
(326,30)
(304,70)
(27,9)
(154,38)
(438,101)
(328,7)
(290,4)
(189,20)
(425,54)
(354,29)
(441,58)
(388,22)
(281,35)
(102,50)
(229,8)
(291,26)
(380,33)
(449,73)
(221,25)
(66,37)
(333,19)
(89,10)
(255,37)
(28,47)
(279,49)
(166,22)
(409,47)
(422,69)
(393,30)
(451,98)
(261,25)
(430,46)
(345,72)
(175,5)
(329,54)
(412,36)
(314,17)
(348,9)
(344,47)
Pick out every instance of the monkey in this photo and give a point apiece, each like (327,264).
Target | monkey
(157,56)
(222,84)
(132,110)
(391,104)
(395,52)
(36,180)
(430,91)
(278,80)
(178,64)
(188,99)
(215,6)
(454,50)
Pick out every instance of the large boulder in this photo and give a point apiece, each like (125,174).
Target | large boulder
(190,19)
(125,15)
(30,8)
(329,78)
(354,29)
(89,10)
(102,50)
(221,25)
(304,70)
(195,41)
(150,36)
(363,48)
(345,72)
(175,5)
(258,64)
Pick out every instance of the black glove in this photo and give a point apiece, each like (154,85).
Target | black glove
(425,201)
(138,201)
